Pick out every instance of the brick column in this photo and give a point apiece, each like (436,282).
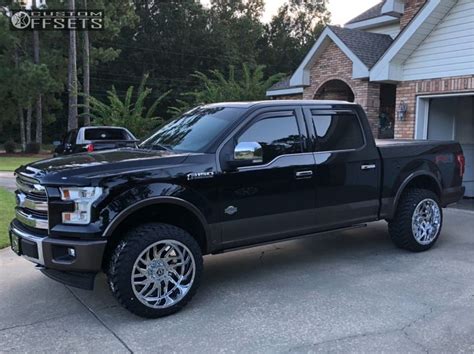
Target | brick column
(367,94)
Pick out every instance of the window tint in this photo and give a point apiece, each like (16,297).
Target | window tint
(338,132)
(106,134)
(195,130)
(277,135)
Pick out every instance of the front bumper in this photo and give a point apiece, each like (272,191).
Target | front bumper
(53,255)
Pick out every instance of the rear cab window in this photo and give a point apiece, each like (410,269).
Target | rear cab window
(337,131)
(106,134)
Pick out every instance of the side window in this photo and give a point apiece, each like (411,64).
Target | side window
(277,135)
(338,132)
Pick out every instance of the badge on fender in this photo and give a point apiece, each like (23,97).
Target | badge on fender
(200,175)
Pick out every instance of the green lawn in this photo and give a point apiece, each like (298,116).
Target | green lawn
(7,206)
(11,163)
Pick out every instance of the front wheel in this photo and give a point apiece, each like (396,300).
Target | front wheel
(155,270)
(418,220)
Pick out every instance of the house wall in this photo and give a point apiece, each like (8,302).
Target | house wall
(298,96)
(409,90)
(411,9)
(333,64)
(392,30)
(448,50)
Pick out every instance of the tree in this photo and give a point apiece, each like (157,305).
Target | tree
(126,113)
(72,76)
(86,85)
(250,85)
(292,32)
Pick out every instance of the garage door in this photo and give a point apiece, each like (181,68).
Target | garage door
(453,118)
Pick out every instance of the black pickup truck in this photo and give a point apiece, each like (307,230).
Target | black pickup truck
(222,177)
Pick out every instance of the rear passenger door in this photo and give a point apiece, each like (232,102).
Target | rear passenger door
(348,167)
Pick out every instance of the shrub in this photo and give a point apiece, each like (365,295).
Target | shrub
(10,147)
(33,148)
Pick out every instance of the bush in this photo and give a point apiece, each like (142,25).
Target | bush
(33,148)
(10,147)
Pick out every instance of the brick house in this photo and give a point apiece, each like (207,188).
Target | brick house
(409,63)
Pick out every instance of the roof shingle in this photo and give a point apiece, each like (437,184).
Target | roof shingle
(367,46)
(374,11)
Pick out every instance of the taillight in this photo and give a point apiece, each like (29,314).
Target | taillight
(462,164)
(90,147)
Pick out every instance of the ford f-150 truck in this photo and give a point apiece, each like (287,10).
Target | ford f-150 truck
(223,177)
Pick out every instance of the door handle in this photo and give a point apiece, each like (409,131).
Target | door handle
(304,174)
(368,167)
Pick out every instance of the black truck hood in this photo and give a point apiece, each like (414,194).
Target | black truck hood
(79,169)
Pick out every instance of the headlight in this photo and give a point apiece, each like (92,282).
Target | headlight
(83,199)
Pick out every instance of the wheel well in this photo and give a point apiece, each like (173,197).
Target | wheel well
(164,212)
(424,182)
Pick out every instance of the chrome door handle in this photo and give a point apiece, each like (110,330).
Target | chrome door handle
(304,174)
(368,167)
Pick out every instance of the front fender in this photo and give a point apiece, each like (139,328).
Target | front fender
(133,199)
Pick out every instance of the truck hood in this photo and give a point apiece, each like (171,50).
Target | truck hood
(79,169)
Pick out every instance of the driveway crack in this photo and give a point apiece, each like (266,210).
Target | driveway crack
(101,321)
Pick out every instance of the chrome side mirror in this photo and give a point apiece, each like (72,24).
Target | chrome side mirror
(248,153)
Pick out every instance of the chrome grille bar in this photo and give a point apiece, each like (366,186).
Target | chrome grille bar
(23,201)
(30,220)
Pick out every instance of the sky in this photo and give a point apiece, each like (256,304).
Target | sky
(341,10)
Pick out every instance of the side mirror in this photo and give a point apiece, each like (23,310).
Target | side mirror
(247,153)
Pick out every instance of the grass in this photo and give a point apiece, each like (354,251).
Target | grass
(12,162)
(7,211)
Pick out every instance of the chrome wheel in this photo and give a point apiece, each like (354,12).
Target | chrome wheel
(163,274)
(426,221)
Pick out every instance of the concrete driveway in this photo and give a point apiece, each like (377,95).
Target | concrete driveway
(7,180)
(348,291)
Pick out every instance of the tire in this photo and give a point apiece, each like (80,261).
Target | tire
(148,263)
(406,228)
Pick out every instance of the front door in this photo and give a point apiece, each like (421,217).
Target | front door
(348,168)
(274,199)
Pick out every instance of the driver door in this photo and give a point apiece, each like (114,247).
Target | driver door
(275,198)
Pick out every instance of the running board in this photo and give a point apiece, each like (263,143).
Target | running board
(285,239)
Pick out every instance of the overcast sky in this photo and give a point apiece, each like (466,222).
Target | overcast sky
(342,10)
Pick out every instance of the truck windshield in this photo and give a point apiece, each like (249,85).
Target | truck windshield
(193,131)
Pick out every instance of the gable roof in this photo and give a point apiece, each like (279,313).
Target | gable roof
(389,66)
(367,46)
(374,11)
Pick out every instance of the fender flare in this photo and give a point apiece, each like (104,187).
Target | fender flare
(410,178)
(155,201)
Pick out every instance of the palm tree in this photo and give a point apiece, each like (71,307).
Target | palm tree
(126,113)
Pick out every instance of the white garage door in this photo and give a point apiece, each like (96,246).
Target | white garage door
(452,118)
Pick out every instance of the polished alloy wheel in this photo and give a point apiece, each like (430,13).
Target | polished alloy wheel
(163,274)
(426,221)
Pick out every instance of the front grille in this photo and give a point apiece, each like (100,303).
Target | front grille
(32,203)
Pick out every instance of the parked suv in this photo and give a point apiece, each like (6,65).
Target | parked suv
(88,139)
(222,177)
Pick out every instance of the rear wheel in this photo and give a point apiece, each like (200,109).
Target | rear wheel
(155,270)
(418,220)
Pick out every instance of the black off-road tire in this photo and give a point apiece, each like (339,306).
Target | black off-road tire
(400,227)
(125,254)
